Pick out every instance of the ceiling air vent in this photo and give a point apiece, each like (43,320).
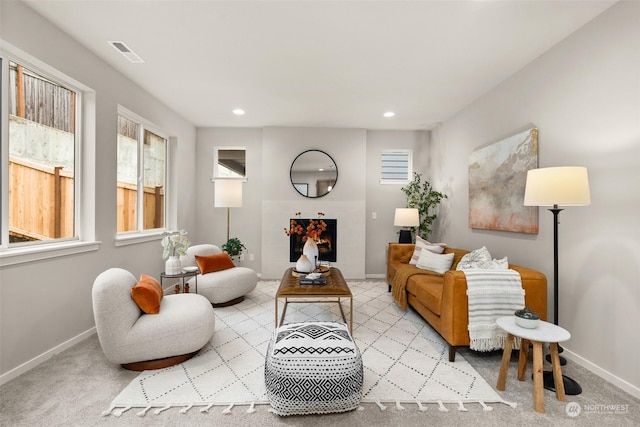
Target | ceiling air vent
(126,51)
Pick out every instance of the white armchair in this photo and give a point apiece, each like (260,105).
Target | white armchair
(222,288)
(141,341)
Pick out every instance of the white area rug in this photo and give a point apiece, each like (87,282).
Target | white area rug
(405,361)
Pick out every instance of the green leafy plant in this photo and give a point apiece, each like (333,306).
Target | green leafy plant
(233,246)
(422,196)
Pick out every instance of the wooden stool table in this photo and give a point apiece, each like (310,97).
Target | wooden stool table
(545,332)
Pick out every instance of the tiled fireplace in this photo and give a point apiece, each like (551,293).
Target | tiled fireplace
(349,217)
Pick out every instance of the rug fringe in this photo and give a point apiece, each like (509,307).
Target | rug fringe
(252,408)
(144,411)
(122,411)
(441,407)
(159,410)
(228,410)
(381,406)
(108,411)
(485,407)
(461,407)
(186,408)
(399,407)
(206,410)
(421,408)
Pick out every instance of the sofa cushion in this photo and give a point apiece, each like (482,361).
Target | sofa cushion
(147,294)
(436,248)
(438,263)
(429,293)
(213,263)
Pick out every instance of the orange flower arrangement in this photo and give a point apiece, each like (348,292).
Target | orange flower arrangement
(312,230)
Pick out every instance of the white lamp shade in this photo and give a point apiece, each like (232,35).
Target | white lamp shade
(406,217)
(567,186)
(228,193)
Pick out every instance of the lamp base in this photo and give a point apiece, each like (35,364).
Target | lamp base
(405,236)
(571,387)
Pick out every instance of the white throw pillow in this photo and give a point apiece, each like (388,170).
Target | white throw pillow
(500,264)
(479,258)
(436,248)
(439,263)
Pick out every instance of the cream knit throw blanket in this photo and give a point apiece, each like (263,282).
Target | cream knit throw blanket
(492,294)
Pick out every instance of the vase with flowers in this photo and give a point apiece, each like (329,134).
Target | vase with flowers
(174,244)
(310,233)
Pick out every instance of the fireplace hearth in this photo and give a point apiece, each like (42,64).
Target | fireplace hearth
(327,242)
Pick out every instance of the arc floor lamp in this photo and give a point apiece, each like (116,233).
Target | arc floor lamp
(557,186)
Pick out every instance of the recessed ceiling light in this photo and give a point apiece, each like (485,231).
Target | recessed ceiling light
(389,114)
(238,112)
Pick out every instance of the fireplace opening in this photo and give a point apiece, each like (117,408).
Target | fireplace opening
(327,243)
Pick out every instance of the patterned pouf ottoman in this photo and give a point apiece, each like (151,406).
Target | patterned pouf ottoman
(313,368)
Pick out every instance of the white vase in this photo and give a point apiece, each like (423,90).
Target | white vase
(304,265)
(310,249)
(173,265)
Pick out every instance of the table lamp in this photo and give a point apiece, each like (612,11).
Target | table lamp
(406,217)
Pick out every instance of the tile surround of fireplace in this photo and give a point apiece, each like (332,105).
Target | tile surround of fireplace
(350,248)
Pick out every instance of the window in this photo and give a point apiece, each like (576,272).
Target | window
(43,147)
(396,167)
(142,172)
(229,162)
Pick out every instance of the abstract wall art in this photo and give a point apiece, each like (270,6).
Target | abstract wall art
(497,177)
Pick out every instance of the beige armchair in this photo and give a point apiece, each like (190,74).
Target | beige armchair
(222,288)
(139,341)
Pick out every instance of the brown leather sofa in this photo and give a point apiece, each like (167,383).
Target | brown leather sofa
(441,299)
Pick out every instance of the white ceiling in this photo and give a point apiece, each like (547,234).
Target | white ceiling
(320,63)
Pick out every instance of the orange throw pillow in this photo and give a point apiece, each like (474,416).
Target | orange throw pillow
(211,263)
(147,293)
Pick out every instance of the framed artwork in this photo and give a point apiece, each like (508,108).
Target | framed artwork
(497,177)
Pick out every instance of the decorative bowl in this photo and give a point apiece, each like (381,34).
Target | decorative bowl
(526,318)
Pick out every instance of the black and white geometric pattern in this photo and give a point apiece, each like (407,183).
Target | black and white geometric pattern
(404,359)
(313,368)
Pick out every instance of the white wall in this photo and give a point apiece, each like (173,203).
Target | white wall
(269,200)
(44,304)
(383,199)
(584,97)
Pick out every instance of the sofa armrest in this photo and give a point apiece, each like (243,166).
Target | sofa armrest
(455,304)
(397,253)
(534,284)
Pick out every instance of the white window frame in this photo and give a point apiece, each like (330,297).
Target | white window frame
(402,181)
(141,235)
(84,167)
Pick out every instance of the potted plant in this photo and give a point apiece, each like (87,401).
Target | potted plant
(233,247)
(421,196)
(174,244)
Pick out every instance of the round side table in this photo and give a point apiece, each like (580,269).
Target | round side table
(182,276)
(545,332)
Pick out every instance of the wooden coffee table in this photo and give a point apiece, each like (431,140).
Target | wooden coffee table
(334,291)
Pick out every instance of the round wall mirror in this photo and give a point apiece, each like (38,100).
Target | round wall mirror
(313,173)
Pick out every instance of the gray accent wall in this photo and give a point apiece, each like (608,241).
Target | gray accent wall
(583,95)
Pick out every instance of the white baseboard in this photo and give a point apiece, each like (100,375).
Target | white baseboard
(27,366)
(603,373)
